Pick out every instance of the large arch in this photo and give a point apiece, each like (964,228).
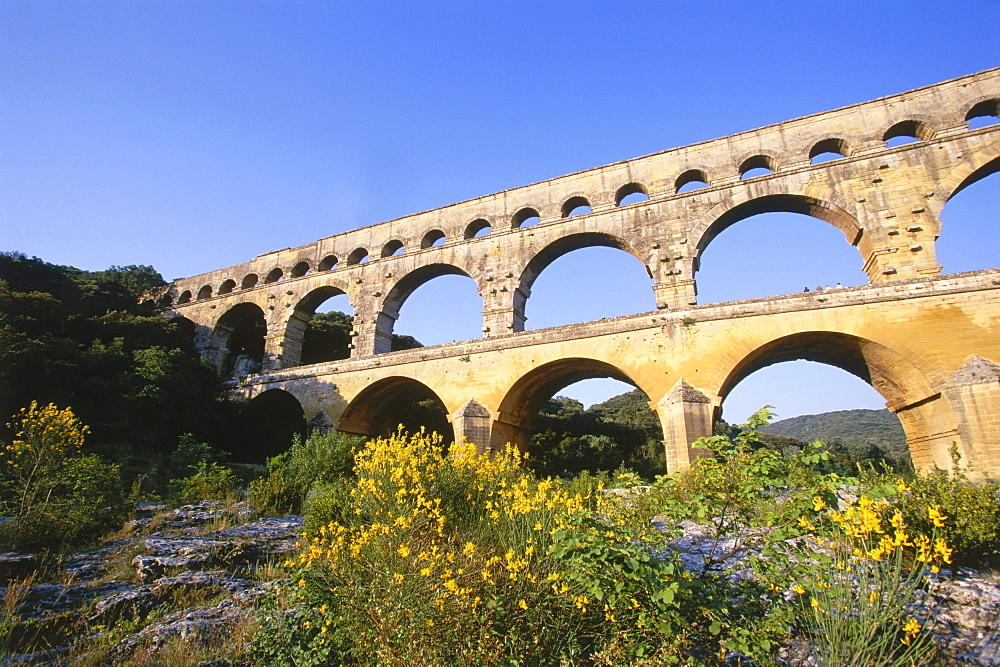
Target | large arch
(379,409)
(556,249)
(299,346)
(726,215)
(519,408)
(908,392)
(269,423)
(240,333)
(385,321)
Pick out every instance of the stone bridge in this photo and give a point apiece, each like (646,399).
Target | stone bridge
(879,171)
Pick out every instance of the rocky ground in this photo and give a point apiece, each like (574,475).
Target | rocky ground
(198,573)
(193,573)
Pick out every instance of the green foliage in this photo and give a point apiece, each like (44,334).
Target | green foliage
(55,495)
(328,338)
(209,481)
(92,340)
(322,460)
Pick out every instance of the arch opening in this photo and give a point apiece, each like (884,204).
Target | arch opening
(774,250)
(394,247)
(983,114)
(433,239)
(390,402)
(250,280)
(242,329)
(437,304)
(323,320)
(274,276)
(227,286)
(631,193)
(328,263)
(269,423)
(757,165)
(526,217)
(907,132)
(205,292)
(184,328)
(300,269)
(185,297)
(564,438)
(576,206)
(891,379)
(478,228)
(692,179)
(970,223)
(829,149)
(581,278)
(357,256)
(165,301)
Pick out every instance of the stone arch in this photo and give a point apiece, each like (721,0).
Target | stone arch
(205,292)
(729,213)
(830,145)
(516,415)
(185,297)
(227,286)
(977,166)
(297,347)
(475,227)
(404,287)
(917,129)
(249,280)
(239,338)
(691,176)
(431,238)
(987,107)
(523,214)
(328,263)
(628,189)
(300,269)
(572,204)
(165,301)
(270,422)
(757,161)
(381,407)
(906,388)
(392,247)
(274,275)
(185,328)
(357,256)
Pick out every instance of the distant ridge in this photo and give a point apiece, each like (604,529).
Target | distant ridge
(876,427)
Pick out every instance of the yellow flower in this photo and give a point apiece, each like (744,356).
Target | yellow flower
(818,504)
(912,629)
(902,487)
(797,588)
(814,603)
(934,514)
(469,548)
(806,524)
(872,597)
(522,604)
(941,549)
(404,551)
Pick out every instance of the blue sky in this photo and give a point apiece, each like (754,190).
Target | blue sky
(194,135)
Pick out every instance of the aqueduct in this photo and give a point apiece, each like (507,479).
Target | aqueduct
(929,343)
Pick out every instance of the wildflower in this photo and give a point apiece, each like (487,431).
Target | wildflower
(404,551)
(797,588)
(523,605)
(911,629)
(872,597)
(814,603)
(941,549)
(806,524)
(818,504)
(469,548)
(934,514)
(902,487)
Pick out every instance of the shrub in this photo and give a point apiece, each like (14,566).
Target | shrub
(55,495)
(210,481)
(322,459)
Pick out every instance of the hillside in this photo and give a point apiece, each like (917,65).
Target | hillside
(875,426)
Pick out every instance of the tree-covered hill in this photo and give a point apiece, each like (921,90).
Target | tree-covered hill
(876,426)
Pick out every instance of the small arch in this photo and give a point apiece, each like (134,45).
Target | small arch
(433,238)
(240,333)
(250,280)
(300,269)
(274,276)
(478,227)
(692,179)
(269,424)
(631,193)
(185,297)
(526,217)
(357,256)
(907,131)
(184,326)
(983,113)
(393,247)
(328,263)
(165,301)
(205,292)
(227,286)
(576,206)
(757,165)
(380,408)
(832,148)
(325,342)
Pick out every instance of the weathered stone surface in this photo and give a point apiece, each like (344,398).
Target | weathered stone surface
(204,624)
(17,566)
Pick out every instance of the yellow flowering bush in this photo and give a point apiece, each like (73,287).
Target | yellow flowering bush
(448,557)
